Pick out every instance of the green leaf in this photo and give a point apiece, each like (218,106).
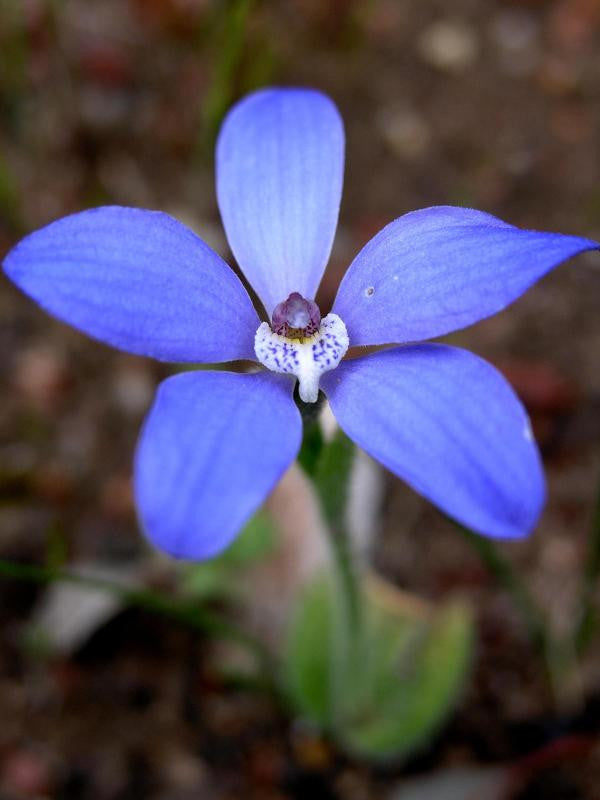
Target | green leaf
(216,578)
(308,653)
(414,683)
(255,541)
(206,581)
(383,693)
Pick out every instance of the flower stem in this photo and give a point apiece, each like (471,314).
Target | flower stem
(332,480)
(328,465)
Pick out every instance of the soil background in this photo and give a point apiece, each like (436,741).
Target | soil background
(483,103)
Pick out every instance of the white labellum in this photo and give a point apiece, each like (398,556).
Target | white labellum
(305,358)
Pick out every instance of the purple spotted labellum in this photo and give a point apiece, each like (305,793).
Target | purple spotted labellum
(300,343)
(216,442)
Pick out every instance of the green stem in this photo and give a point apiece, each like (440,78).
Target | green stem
(349,579)
(328,465)
(190,616)
(588,614)
(231,39)
(553,655)
(501,568)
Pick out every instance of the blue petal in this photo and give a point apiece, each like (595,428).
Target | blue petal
(440,269)
(140,281)
(280,165)
(213,446)
(449,424)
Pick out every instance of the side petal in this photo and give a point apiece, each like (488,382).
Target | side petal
(280,165)
(213,446)
(449,424)
(440,269)
(140,281)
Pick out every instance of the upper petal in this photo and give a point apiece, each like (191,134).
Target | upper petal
(440,269)
(140,281)
(280,165)
(449,424)
(213,446)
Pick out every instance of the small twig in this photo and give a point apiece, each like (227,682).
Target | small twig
(192,616)
(501,568)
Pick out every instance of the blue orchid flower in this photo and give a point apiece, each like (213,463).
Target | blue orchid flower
(215,442)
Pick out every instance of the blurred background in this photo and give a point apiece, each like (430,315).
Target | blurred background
(486,103)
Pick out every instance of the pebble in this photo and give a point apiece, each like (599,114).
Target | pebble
(183,771)
(104,109)
(571,123)
(449,45)
(41,376)
(133,388)
(406,132)
(26,774)
(559,76)
(117,497)
(516,36)
(385,21)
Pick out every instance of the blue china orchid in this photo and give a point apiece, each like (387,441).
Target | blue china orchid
(215,442)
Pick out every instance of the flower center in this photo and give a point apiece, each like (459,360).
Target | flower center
(300,343)
(296,317)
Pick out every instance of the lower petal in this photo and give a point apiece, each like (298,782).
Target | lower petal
(450,425)
(212,448)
